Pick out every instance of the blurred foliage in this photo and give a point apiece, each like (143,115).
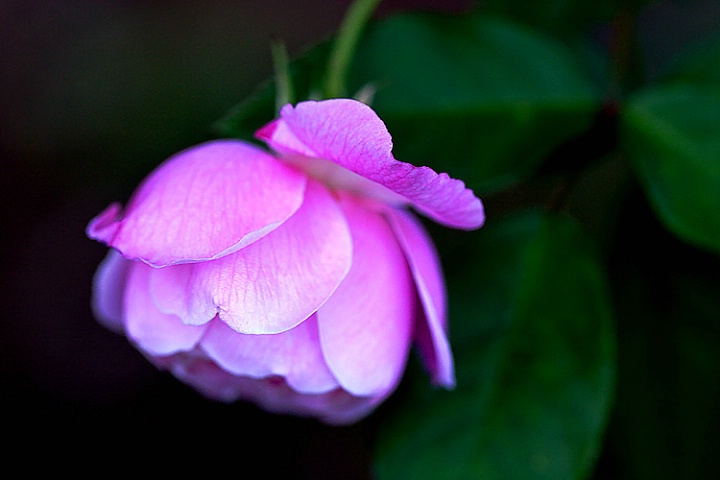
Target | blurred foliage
(666,421)
(502,87)
(563,17)
(566,314)
(698,65)
(466,95)
(672,135)
(532,335)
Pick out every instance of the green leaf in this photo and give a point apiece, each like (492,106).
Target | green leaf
(672,135)
(480,98)
(532,334)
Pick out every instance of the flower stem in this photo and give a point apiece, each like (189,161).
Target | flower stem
(347,38)
(283,85)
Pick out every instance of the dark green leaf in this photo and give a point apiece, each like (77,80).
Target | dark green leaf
(671,134)
(555,16)
(480,98)
(534,351)
(699,65)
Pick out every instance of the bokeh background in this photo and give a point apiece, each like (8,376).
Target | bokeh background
(93,95)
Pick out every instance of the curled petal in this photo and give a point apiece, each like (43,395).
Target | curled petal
(201,204)
(294,355)
(350,134)
(109,290)
(366,326)
(155,332)
(329,172)
(431,337)
(273,284)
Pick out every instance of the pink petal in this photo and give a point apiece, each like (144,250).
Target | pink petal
(293,354)
(109,289)
(203,203)
(201,373)
(286,142)
(366,326)
(350,134)
(154,332)
(273,284)
(425,266)
(336,407)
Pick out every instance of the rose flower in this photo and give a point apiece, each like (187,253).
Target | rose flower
(298,280)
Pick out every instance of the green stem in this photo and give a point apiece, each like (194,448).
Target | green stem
(347,39)
(283,86)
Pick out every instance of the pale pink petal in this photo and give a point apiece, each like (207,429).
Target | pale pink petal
(293,354)
(431,336)
(109,289)
(154,332)
(366,326)
(173,290)
(273,284)
(350,134)
(336,407)
(201,373)
(203,203)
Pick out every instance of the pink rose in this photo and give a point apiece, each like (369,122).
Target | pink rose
(298,281)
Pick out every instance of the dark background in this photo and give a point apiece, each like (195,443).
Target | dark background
(93,95)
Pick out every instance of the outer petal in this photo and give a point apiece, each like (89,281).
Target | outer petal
(154,332)
(273,394)
(294,355)
(425,266)
(366,326)
(273,284)
(201,204)
(350,134)
(109,289)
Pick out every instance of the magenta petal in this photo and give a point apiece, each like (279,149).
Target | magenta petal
(350,134)
(366,326)
(154,332)
(425,266)
(201,204)
(109,289)
(286,142)
(273,284)
(293,354)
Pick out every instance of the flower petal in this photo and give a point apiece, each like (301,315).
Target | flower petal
(366,326)
(109,289)
(293,354)
(154,332)
(273,284)
(201,204)
(336,407)
(431,336)
(350,134)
